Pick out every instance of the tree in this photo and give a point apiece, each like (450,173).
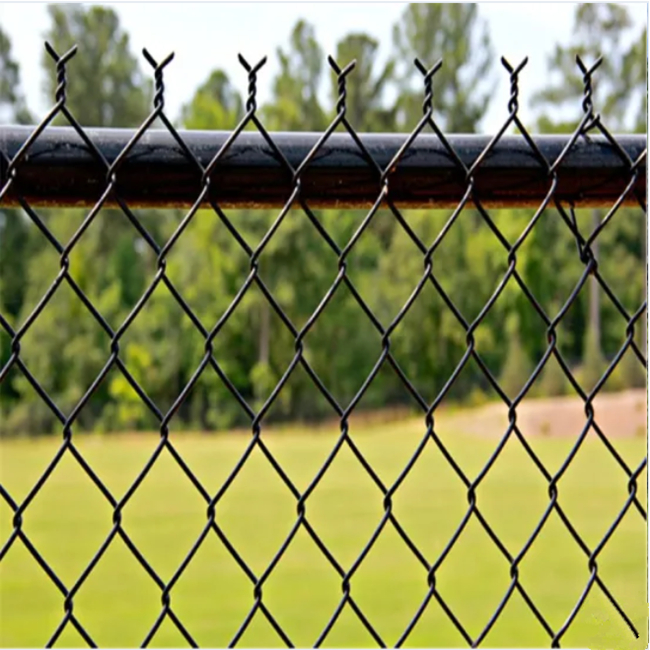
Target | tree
(366,88)
(295,105)
(14,229)
(631,82)
(208,267)
(215,105)
(16,239)
(619,85)
(463,86)
(12,102)
(619,88)
(105,84)
(106,89)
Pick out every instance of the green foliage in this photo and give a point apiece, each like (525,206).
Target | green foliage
(296,106)
(66,348)
(619,84)
(106,87)
(215,105)
(12,103)
(16,244)
(15,247)
(463,86)
(365,107)
(629,373)
(620,96)
(636,376)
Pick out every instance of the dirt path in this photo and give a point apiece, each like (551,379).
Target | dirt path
(617,414)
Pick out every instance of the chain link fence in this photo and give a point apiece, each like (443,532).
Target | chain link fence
(46,167)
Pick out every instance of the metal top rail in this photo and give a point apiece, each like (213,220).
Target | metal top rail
(59,169)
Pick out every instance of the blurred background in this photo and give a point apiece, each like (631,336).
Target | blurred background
(110,86)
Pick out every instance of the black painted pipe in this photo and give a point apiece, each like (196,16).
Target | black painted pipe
(60,170)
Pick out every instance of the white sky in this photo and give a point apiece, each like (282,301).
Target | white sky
(205,36)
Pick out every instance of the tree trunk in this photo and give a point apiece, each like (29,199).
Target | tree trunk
(594,294)
(644,259)
(265,332)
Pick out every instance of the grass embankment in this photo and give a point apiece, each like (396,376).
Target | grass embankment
(118,603)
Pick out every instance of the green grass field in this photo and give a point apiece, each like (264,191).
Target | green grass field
(69,519)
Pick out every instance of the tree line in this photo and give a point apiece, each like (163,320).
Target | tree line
(65,348)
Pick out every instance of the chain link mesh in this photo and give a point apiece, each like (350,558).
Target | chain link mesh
(512,557)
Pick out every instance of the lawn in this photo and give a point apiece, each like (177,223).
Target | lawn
(119,602)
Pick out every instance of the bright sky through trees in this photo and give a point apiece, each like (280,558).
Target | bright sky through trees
(209,35)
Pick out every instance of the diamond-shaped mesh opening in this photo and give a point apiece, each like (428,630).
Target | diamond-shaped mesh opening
(165,506)
(604,482)
(45,524)
(206,247)
(455,579)
(213,595)
(132,598)
(356,519)
(160,370)
(382,249)
(267,524)
(467,240)
(49,343)
(303,397)
(113,278)
(430,500)
(513,513)
(391,412)
(315,586)
(389,585)
(297,265)
(341,224)
(541,571)
(335,372)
